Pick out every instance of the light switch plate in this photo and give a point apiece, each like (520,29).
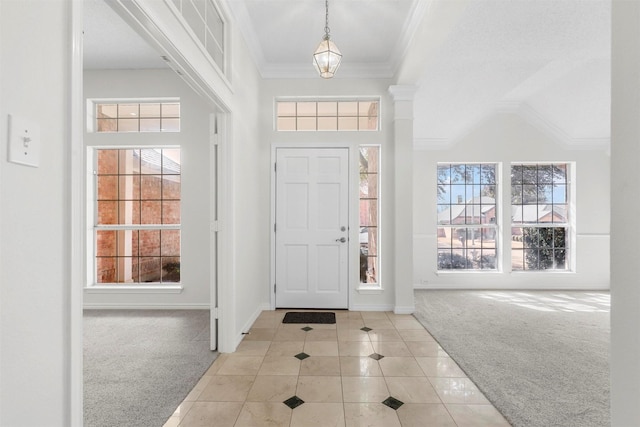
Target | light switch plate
(24,141)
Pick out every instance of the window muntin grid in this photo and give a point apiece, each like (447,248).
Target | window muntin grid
(369,230)
(329,115)
(467,230)
(137,223)
(137,117)
(207,23)
(540,226)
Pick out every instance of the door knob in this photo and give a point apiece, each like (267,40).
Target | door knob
(342,239)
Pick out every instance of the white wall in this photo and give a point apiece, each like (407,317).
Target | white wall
(250,187)
(337,87)
(34,274)
(193,140)
(507,138)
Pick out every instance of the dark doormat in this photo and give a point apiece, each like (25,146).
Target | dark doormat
(309,317)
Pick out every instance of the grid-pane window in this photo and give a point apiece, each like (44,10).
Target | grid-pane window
(138,117)
(540,228)
(339,115)
(369,214)
(137,215)
(207,23)
(467,229)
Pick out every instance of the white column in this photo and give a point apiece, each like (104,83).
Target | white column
(625,211)
(403,196)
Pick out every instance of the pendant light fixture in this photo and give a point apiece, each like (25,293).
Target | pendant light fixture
(327,56)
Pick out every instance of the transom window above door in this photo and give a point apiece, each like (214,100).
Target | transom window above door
(327,115)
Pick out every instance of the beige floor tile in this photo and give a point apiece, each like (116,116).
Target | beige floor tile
(322,335)
(352,335)
(350,323)
(440,367)
(263,414)
(241,365)
(378,324)
(355,348)
(285,348)
(341,315)
(340,384)
(370,415)
(320,366)
(280,365)
(197,389)
(378,335)
(415,335)
(364,389)
(227,388)
(360,366)
(172,422)
(392,348)
(477,416)
(252,348)
(374,315)
(319,389)
(425,414)
(321,348)
(409,322)
(290,335)
(318,415)
(400,367)
(276,388)
(412,389)
(458,390)
(426,349)
(260,334)
(205,414)
(216,364)
(323,326)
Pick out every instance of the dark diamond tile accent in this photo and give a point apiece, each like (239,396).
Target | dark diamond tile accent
(307,328)
(393,403)
(302,356)
(294,401)
(376,356)
(366,329)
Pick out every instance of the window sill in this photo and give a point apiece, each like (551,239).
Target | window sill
(528,272)
(134,289)
(445,272)
(370,290)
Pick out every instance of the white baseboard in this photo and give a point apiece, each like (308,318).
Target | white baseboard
(252,319)
(371,307)
(559,287)
(150,306)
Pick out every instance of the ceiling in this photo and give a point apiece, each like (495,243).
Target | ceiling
(546,60)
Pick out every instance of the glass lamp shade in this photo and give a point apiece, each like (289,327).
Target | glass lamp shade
(327,58)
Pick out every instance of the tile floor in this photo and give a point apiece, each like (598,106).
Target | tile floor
(368,369)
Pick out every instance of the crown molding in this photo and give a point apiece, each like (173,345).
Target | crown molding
(416,14)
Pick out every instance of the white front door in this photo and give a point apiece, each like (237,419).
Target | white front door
(312,227)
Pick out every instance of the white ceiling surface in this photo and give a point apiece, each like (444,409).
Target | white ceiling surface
(110,43)
(547,60)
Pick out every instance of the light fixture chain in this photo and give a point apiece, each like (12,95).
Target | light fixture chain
(326,18)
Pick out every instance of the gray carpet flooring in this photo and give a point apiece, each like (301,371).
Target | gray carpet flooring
(542,358)
(139,365)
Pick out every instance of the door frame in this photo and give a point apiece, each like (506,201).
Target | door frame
(354,222)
